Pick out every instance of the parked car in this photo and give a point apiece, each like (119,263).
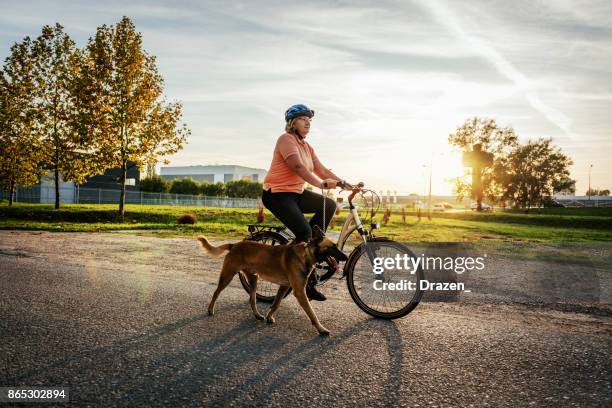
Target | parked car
(549,202)
(439,207)
(485,207)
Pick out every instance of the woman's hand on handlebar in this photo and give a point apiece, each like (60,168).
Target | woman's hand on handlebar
(346,186)
(329,184)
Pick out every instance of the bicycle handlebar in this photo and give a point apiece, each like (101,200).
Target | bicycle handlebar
(354,189)
(346,186)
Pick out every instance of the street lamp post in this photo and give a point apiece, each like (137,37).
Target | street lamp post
(589,192)
(429,200)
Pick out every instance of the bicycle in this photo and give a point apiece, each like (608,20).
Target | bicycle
(362,282)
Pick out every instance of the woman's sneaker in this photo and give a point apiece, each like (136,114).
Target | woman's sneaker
(311,290)
(330,269)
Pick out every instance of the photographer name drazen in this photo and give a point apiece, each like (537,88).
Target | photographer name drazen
(423,285)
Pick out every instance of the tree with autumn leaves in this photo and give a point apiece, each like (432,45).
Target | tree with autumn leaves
(138,125)
(524,175)
(87,109)
(20,148)
(64,146)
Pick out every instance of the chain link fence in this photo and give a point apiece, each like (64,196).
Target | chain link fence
(75,195)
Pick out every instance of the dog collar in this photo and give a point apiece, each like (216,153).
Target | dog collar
(309,252)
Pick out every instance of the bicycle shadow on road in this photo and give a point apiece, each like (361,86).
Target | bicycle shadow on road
(250,360)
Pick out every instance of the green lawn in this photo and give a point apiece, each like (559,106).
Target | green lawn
(554,225)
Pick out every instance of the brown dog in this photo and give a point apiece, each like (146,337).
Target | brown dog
(286,265)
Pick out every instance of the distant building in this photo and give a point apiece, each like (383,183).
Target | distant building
(111,179)
(44,191)
(583,201)
(213,174)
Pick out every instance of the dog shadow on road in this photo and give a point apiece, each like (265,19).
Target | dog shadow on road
(243,365)
(286,369)
(251,363)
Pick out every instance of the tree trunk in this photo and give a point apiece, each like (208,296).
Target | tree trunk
(57,192)
(528,204)
(122,196)
(12,188)
(57,158)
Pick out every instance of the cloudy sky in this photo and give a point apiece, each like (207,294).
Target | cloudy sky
(389,80)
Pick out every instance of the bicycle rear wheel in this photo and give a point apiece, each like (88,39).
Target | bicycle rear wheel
(266,291)
(387,295)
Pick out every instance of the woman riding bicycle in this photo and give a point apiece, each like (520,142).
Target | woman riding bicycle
(295,163)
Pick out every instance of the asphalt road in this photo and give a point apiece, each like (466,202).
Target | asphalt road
(120,319)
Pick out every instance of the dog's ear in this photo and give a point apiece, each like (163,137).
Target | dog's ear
(317,233)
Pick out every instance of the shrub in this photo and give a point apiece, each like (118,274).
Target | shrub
(244,189)
(185,186)
(187,219)
(213,190)
(154,184)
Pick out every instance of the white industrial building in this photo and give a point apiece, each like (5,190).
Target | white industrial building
(583,201)
(213,174)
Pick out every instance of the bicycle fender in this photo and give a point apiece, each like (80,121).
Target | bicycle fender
(258,235)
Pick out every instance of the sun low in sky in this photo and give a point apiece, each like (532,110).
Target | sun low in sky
(389,80)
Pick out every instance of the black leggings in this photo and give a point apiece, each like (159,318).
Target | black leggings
(290,208)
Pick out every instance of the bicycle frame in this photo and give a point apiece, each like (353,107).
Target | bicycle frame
(347,230)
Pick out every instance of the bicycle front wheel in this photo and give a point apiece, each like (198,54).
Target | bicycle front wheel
(393,292)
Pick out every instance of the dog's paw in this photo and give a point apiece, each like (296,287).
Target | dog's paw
(324,332)
(270,320)
(211,312)
(259,317)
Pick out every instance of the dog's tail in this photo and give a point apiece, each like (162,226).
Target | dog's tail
(214,251)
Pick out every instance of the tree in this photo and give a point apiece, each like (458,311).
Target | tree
(138,125)
(564,185)
(499,141)
(154,184)
(60,105)
(20,153)
(597,192)
(243,189)
(462,187)
(569,187)
(184,186)
(478,160)
(87,118)
(150,169)
(535,171)
(213,189)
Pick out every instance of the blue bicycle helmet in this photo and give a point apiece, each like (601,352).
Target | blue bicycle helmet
(298,110)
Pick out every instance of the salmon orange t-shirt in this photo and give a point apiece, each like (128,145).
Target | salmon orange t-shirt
(280,177)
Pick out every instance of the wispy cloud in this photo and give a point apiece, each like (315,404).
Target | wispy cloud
(445,15)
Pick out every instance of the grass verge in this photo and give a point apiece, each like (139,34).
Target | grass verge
(586,225)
